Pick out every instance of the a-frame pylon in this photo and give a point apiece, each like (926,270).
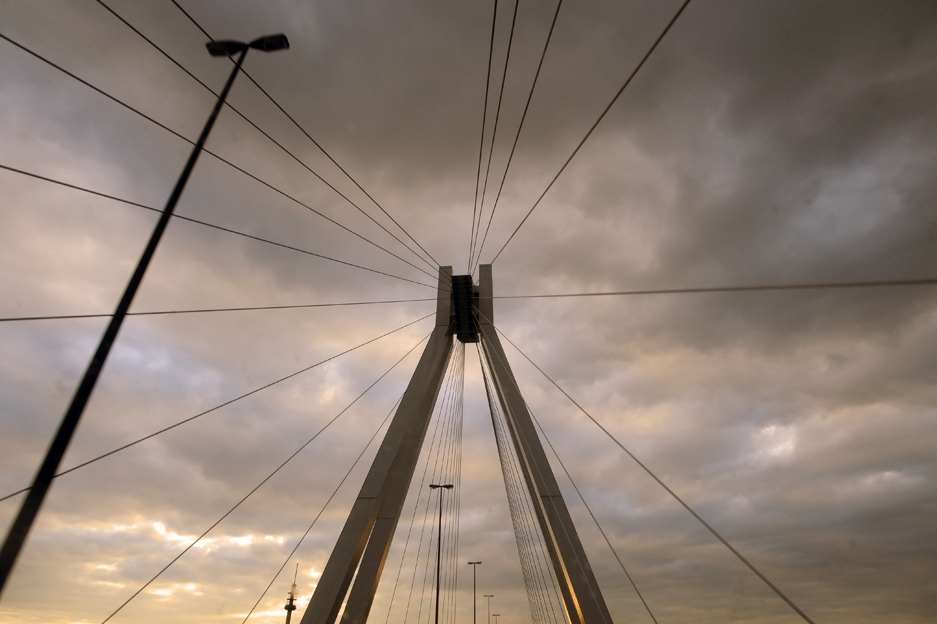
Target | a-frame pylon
(362,547)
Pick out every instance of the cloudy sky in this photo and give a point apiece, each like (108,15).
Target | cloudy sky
(770,142)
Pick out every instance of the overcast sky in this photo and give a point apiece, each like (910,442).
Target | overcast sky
(768,142)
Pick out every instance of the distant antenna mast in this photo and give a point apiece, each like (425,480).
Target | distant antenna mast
(290,607)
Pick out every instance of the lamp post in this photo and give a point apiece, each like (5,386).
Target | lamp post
(434,486)
(474,564)
(495,616)
(489,597)
(27,514)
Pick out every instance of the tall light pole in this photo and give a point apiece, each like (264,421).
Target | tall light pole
(495,616)
(489,597)
(474,564)
(434,486)
(27,514)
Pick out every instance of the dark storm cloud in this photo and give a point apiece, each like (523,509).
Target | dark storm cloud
(773,142)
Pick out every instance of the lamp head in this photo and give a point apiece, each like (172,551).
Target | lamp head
(225,47)
(271,43)
(229,47)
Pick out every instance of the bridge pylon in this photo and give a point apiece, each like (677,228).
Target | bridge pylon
(466,312)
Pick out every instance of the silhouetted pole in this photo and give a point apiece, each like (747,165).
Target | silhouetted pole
(434,486)
(290,606)
(489,597)
(27,514)
(473,564)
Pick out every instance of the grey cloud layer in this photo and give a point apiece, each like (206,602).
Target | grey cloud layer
(763,142)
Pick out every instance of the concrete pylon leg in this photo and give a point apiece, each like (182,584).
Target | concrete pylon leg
(580,591)
(370,525)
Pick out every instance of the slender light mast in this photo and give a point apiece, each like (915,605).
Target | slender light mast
(474,564)
(290,606)
(435,486)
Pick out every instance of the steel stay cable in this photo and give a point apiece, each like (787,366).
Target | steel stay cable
(532,542)
(199,311)
(506,477)
(324,506)
(410,529)
(494,132)
(445,462)
(434,263)
(454,575)
(242,116)
(447,456)
(446,473)
(535,466)
(705,524)
(481,142)
(520,127)
(924,281)
(209,152)
(217,407)
(206,224)
(452,501)
(594,125)
(437,435)
(518,520)
(509,478)
(442,424)
(500,445)
(322,149)
(267,478)
(594,519)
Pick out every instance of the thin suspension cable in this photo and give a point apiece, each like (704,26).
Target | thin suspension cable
(520,127)
(259,485)
(509,475)
(454,574)
(494,132)
(481,141)
(442,423)
(539,472)
(212,225)
(192,19)
(520,524)
(242,116)
(705,524)
(594,125)
(327,155)
(209,152)
(447,472)
(924,281)
(217,407)
(589,509)
(421,488)
(531,547)
(433,262)
(321,511)
(163,312)
(451,501)
(416,505)
(446,461)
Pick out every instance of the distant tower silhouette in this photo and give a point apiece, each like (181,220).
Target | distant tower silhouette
(289,606)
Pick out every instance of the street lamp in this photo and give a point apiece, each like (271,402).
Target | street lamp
(434,486)
(474,565)
(489,597)
(37,492)
(495,616)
